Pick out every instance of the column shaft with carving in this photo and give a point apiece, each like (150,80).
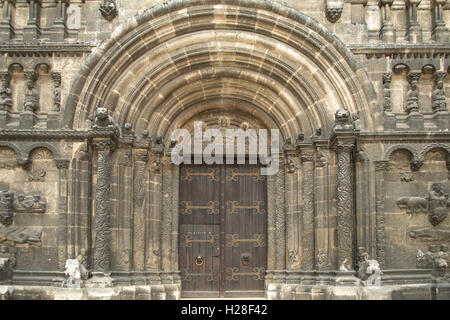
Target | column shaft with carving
(307,158)
(280,219)
(31,101)
(62,230)
(292,205)
(139,190)
(166,212)
(102,244)
(345,215)
(380,197)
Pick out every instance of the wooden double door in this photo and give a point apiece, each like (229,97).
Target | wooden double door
(223,221)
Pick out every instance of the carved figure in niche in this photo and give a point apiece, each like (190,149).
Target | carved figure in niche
(31,101)
(342,120)
(6,208)
(438,97)
(356,121)
(363,256)
(6,102)
(413,204)
(438,202)
(102,119)
(73,274)
(82,259)
(412,98)
(287,143)
(57,91)
(7,262)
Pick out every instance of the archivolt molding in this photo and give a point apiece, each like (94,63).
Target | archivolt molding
(172,56)
(418,157)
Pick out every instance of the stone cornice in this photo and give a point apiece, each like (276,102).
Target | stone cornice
(401,50)
(21,49)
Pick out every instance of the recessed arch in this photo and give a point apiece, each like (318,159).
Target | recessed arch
(279,54)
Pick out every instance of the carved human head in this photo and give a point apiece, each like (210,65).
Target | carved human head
(342,116)
(101,113)
(82,251)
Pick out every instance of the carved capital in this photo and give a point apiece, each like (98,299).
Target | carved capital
(5,78)
(334,10)
(439,76)
(413,77)
(31,76)
(307,156)
(344,147)
(56,76)
(103,144)
(62,164)
(387,77)
(140,155)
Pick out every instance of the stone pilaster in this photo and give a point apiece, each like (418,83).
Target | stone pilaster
(387,31)
(59,29)
(307,158)
(62,234)
(345,214)
(439,102)
(440,32)
(280,219)
(102,244)
(6,27)
(414,32)
(32,30)
(412,107)
(140,158)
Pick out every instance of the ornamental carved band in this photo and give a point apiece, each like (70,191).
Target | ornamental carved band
(345,206)
(102,208)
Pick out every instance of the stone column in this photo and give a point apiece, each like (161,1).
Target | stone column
(387,32)
(6,27)
(414,32)
(59,29)
(380,197)
(32,30)
(140,157)
(62,234)
(412,107)
(280,219)
(6,102)
(102,245)
(345,214)
(307,158)
(31,101)
(440,32)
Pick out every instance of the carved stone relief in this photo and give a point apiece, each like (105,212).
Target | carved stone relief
(436,259)
(109,9)
(21,235)
(7,262)
(436,205)
(6,207)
